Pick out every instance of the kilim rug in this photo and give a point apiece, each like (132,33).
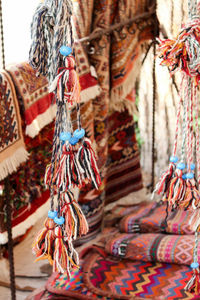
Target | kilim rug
(36,102)
(102,277)
(152,218)
(12,148)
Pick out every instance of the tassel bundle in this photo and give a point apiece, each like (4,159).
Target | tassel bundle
(183,52)
(73,161)
(43,245)
(179,187)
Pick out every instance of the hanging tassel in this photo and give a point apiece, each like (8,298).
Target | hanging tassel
(87,164)
(193,286)
(66,84)
(43,244)
(177,186)
(67,172)
(192,195)
(164,182)
(64,258)
(183,52)
(75,221)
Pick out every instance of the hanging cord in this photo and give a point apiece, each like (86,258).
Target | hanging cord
(155,33)
(153,121)
(7,190)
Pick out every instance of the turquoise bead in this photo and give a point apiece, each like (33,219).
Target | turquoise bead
(194,265)
(173,159)
(59,221)
(73,140)
(180,166)
(192,167)
(52,214)
(65,136)
(65,50)
(184,176)
(79,134)
(189,175)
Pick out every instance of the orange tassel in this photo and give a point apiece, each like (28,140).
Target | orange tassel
(192,196)
(43,244)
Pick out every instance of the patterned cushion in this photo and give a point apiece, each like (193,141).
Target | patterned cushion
(151,218)
(153,247)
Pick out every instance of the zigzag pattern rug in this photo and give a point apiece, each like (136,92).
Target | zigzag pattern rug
(105,278)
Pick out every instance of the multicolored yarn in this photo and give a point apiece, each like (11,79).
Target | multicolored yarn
(183,53)
(73,160)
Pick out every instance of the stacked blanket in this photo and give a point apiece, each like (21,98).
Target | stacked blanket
(131,261)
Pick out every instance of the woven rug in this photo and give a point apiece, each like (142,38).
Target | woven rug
(29,198)
(151,217)
(12,147)
(36,102)
(123,165)
(104,278)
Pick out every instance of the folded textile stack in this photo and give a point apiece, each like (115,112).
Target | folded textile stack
(126,265)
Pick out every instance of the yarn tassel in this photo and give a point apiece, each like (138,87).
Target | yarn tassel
(192,195)
(63,261)
(164,182)
(66,83)
(75,221)
(193,286)
(87,164)
(177,186)
(43,244)
(67,172)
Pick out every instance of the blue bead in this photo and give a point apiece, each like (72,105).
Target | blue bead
(52,214)
(79,134)
(184,176)
(65,136)
(189,175)
(59,221)
(194,265)
(173,159)
(73,141)
(65,50)
(192,167)
(180,166)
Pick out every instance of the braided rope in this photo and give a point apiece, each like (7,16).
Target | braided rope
(195,250)
(196,108)
(177,127)
(184,126)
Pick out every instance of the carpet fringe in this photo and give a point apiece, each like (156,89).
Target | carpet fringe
(10,164)
(41,121)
